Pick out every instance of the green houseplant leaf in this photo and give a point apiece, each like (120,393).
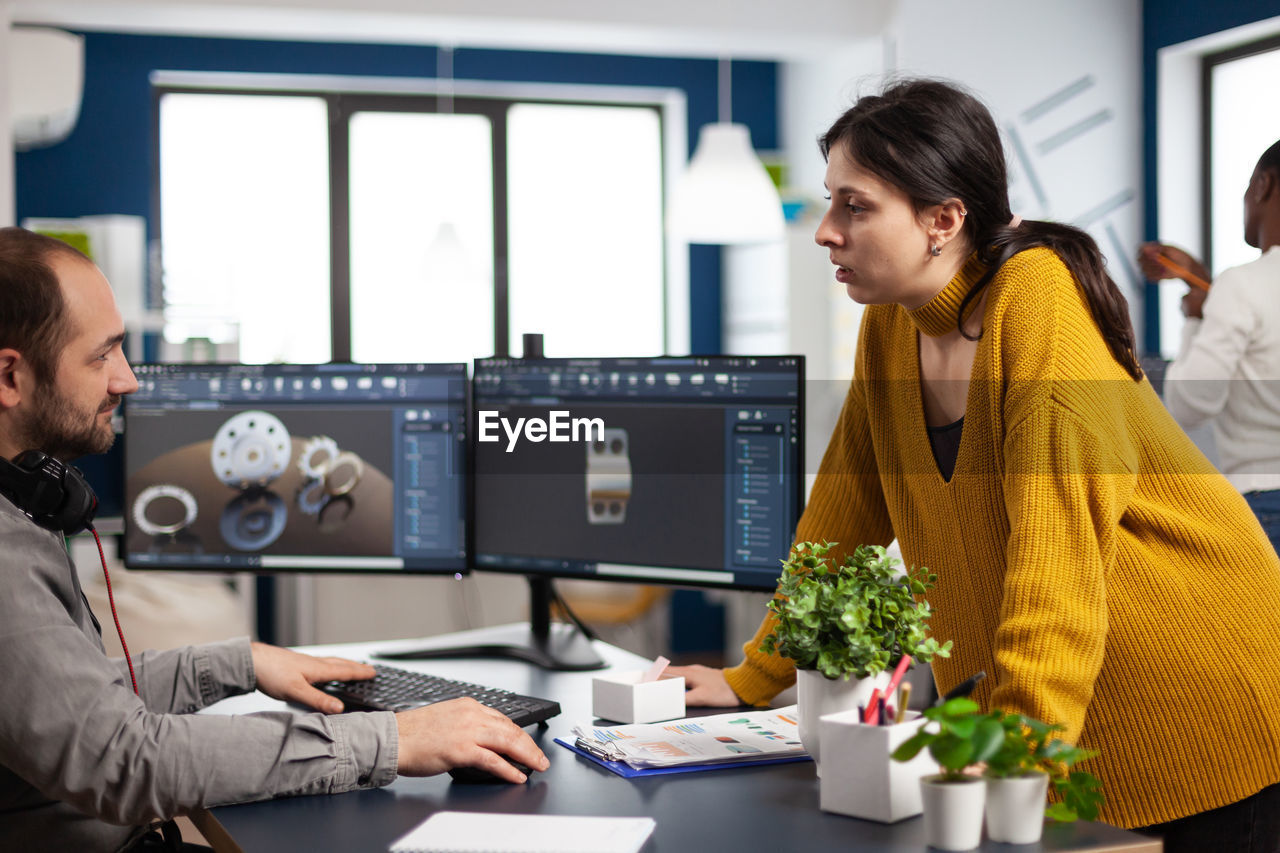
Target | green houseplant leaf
(958,736)
(853,620)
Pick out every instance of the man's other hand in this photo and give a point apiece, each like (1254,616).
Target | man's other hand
(289,675)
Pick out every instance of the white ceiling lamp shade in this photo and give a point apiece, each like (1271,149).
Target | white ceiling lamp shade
(725,195)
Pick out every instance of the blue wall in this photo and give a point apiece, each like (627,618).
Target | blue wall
(1165,23)
(107,163)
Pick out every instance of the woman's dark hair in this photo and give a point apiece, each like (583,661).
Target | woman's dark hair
(935,141)
(33,313)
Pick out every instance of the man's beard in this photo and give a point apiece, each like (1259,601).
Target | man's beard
(56,426)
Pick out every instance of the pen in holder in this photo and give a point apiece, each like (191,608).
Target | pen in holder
(859,779)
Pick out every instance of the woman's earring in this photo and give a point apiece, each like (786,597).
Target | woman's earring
(934,250)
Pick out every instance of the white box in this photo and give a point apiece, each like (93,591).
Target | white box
(623,697)
(858,776)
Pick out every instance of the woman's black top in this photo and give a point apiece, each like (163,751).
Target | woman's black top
(945,441)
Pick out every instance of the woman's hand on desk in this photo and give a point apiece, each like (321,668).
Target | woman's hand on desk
(289,675)
(704,686)
(463,733)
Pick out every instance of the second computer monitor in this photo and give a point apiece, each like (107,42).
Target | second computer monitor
(670,470)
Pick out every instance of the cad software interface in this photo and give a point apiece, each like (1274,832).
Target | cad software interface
(297,467)
(683,470)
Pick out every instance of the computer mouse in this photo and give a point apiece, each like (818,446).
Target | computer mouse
(477,776)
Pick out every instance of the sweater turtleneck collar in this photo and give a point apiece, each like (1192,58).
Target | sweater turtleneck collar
(938,316)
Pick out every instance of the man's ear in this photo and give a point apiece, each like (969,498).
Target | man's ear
(13,377)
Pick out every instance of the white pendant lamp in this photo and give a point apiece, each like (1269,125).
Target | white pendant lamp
(725,195)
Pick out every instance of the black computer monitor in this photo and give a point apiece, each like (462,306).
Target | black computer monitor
(670,470)
(281,468)
(685,471)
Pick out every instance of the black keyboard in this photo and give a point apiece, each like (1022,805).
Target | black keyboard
(394,689)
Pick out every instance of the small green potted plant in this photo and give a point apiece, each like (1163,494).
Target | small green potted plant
(1019,773)
(1018,757)
(844,626)
(960,739)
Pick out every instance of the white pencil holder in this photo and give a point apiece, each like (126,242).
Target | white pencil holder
(858,776)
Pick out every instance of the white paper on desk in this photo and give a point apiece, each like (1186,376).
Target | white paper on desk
(741,736)
(481,832)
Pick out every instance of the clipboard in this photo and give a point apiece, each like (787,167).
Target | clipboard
(626,771)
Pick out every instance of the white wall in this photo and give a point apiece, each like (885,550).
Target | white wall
(1047,71)
(812,94)
(8,207)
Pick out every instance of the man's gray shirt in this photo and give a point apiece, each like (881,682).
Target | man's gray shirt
(84,763)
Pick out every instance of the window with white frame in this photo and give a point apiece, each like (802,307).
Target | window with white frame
(1242,124)
(244,204)
(311,226)
(421,190)
(586,228)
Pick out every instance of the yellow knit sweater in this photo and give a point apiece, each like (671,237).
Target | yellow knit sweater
(1089,558)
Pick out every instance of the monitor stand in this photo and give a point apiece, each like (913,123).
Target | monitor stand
(546,644)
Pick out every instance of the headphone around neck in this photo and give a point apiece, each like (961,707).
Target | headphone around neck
(53,495)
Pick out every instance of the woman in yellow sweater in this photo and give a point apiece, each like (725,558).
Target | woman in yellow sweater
(999,426)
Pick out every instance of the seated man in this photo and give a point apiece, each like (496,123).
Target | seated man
(87,759)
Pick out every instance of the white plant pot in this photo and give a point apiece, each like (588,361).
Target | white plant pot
(1015,808)
(953,812)
(817,695)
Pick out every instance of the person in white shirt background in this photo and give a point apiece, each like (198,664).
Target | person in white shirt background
(1228,367)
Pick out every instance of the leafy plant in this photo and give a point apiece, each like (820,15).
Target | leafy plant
(960,739)
(1010,745)
(853,620)
(1029,746)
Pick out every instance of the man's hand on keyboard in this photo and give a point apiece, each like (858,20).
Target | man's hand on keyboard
(463,733)
(289,675)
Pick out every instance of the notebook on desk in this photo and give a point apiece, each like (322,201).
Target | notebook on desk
(481,832)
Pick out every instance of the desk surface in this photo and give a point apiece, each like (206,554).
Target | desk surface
(750,808)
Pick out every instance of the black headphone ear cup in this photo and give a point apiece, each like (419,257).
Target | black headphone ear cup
(53,495)
(79,503)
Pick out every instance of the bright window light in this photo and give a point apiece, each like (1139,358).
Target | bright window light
(421,237)
(1242,127)
(586,242)
(244,195)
